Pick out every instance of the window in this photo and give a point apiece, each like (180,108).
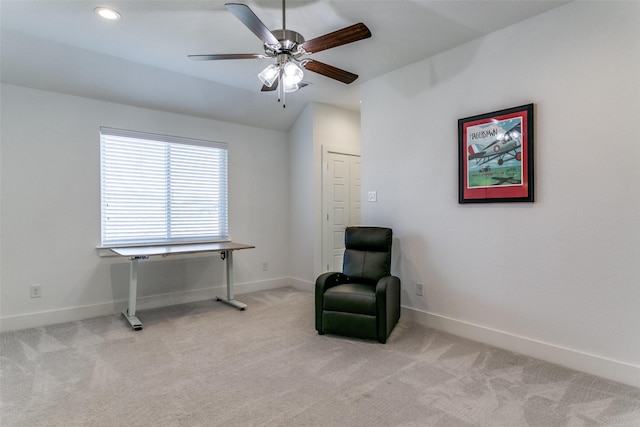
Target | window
(158,189)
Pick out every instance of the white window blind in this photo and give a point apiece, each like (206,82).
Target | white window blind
(159,189)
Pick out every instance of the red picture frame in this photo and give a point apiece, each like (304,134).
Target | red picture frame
(495,155)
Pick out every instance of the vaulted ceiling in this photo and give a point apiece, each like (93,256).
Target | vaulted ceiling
(141,59)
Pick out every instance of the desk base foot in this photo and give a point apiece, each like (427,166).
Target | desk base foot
(233,302)
(135,323)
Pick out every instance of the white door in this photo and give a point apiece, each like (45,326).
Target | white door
(341,204)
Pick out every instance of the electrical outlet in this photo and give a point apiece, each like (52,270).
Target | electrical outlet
(419,289)
(265,266)
(36,291)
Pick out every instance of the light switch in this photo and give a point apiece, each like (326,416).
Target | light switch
(373,196)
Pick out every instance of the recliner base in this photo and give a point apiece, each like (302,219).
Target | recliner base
(349,324)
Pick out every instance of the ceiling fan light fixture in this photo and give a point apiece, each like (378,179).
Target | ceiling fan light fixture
(107,13)
(269,75)
(293,74)
(291,87)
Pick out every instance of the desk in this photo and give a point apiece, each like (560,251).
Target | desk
(138,253)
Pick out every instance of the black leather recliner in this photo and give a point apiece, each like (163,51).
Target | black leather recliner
(364,300)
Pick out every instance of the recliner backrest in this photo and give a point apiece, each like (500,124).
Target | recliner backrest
(367,255)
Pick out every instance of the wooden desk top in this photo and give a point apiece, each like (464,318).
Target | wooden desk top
(135,251)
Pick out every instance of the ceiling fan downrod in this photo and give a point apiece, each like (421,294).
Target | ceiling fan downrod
(284,20)
(281,82)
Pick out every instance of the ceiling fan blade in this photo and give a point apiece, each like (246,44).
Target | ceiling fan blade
(346,35)
(329,71)
(271,88)
(251,21)
(226,56)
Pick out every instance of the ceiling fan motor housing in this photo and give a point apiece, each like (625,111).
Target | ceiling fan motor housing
(289,40)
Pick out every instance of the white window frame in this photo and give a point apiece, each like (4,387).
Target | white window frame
(161,190)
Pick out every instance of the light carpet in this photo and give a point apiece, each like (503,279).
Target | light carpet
(208,364)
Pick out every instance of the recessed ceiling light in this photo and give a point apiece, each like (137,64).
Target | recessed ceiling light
(107,13)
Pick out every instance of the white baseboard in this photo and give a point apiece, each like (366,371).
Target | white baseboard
(72,314)
(53,317)
(622,372)
(263,285)
(302,285)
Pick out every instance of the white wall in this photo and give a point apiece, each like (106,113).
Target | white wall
(50,198)
(301,198)
(332,127)
(319,125)
(557,279)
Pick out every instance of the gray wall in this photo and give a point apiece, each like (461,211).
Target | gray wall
(50,223)
(318,126)
(559,278)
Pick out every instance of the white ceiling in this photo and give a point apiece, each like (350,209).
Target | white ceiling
(142,58)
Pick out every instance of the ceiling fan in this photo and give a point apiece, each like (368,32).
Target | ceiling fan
(290,50)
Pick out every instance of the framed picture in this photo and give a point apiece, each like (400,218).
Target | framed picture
(495,155)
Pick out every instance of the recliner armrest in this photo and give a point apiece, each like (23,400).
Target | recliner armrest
(388,305)
(324,282)
(385,283)
(329,280)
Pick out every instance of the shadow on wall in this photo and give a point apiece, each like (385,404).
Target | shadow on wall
(415,267)
(411,264)
(433,72)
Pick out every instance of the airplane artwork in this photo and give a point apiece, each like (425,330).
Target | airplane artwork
(505,147)
(495,156)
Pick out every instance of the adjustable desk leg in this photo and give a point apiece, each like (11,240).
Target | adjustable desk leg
(228,257)
(130,313)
